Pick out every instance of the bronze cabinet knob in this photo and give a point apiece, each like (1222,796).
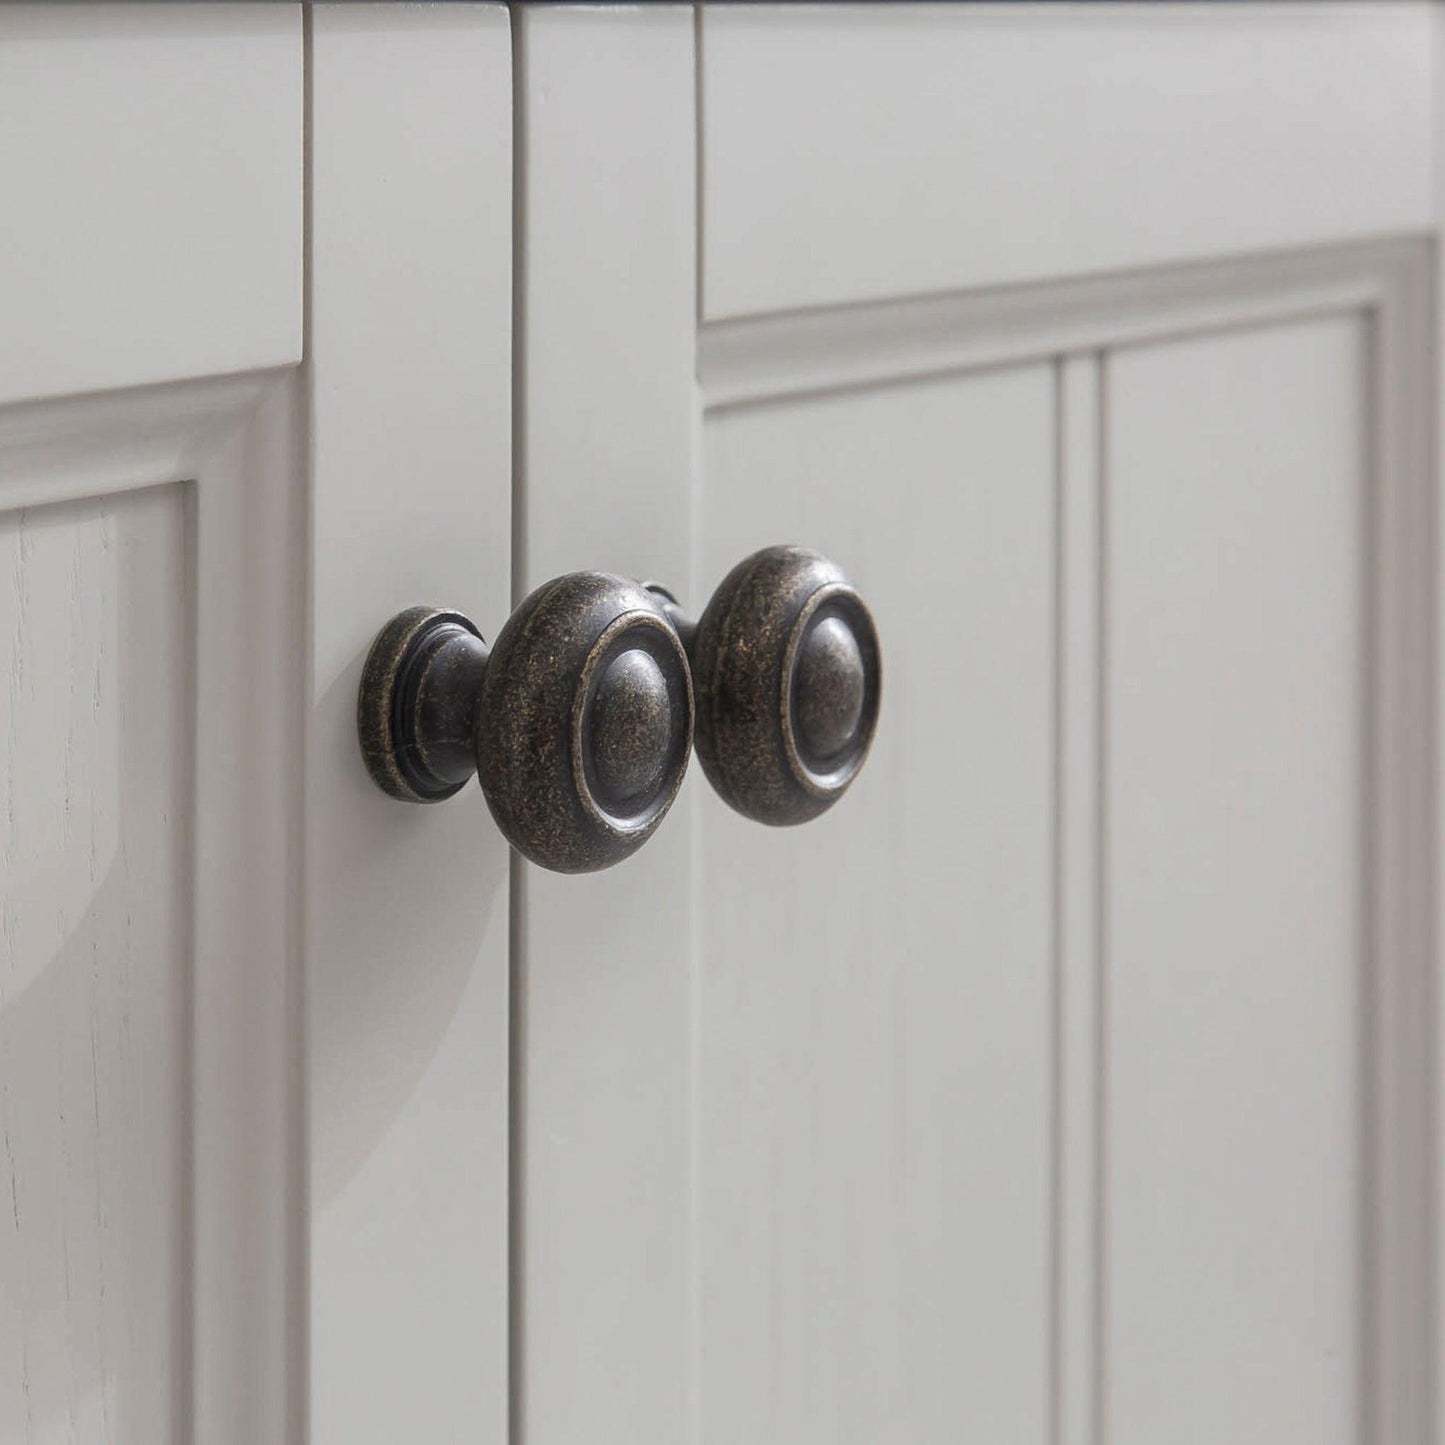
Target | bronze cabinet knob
(787,674)
(578,720)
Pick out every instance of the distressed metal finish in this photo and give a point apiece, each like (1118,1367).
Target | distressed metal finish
(585,722)
(400,750)
(786,667)
(578,721)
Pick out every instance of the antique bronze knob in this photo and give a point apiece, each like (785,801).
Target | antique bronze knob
(578,720)
(786,671)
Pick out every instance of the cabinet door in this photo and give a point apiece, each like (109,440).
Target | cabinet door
(151,527)
(1069,1081)
(252,1075)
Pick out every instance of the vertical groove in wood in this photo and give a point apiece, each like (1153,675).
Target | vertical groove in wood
(521,231)
(1056,1022)
(692,820)
(516,1153)
(1367,990)
(1432,403)
(1078,862)
(298,1261)
(184,1310)
(1099,1240)
(516,1424)
(698,15)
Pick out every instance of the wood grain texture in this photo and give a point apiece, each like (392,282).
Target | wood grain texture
(150,157)
(410,424)
(95,969)
(1236,861)
(852,153)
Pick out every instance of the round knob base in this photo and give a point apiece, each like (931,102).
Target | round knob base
(416,708)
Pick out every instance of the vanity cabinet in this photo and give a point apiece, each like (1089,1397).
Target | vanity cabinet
(1074,1078)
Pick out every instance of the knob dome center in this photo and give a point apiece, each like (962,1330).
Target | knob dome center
(631,727)
(829,689)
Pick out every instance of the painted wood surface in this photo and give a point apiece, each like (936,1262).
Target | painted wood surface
(151,169)
(95,921)
(1078,883)
(1088,1026)
(856,152)
(873,1070)
(406,954)
(976,1140)
(192,1261)
(603,963)
(1235,545)
(191,999)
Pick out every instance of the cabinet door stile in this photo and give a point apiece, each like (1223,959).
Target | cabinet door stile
(407,923)
(604,963)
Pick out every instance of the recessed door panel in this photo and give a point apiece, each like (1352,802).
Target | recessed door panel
(1235,536)
(873,1088)
(95,971)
